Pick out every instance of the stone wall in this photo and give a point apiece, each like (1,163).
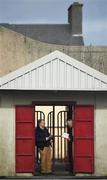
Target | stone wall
(17,50)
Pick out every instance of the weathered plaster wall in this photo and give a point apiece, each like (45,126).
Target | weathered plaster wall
(17,50)
(7,124)
(101,134)
(7,137)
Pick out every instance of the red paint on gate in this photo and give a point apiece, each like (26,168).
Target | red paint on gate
(84,139)
(25,139)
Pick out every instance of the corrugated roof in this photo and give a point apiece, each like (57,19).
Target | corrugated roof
(55,71)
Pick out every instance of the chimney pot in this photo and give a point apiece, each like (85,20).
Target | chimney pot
(75,17)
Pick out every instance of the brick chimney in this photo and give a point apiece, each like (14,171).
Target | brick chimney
(75,18)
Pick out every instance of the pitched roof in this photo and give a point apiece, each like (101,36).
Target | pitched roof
(55,71)
(60,34)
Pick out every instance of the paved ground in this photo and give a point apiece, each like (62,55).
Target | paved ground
(48,178)
(53,177)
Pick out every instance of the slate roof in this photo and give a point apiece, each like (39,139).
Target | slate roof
(60,34)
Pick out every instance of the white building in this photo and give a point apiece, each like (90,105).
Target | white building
(54,80)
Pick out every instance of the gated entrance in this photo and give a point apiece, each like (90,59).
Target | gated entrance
(57,125)
(82,149)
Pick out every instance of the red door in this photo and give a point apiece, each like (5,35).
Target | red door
(84,139)
(25,139)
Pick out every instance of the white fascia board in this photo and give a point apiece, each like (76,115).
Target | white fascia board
(61,89)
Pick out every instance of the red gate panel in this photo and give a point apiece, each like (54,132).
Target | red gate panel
(84,139)
(25,139)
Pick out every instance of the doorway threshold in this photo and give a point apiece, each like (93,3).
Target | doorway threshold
(57,177)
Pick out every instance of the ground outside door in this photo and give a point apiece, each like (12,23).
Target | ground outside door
(84,139)
(25,139)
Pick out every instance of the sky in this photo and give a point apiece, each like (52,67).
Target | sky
(55,11)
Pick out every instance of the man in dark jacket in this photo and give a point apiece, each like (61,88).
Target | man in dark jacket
(70,155)
(43,142)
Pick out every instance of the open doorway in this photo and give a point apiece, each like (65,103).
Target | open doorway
(56,120)
(83,139)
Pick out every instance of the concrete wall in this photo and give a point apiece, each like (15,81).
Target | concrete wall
(17,50)
(8,100)
(7,137)
(101,134)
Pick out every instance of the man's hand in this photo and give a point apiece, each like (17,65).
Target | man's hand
(49,138)
(69,139)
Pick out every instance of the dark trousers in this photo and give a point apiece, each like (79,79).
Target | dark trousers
(70,157)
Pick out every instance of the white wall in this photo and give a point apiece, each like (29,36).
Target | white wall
(8,100)
(101,134)
(7,137)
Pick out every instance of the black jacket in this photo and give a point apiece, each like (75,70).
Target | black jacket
(70,134)
(40,137)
